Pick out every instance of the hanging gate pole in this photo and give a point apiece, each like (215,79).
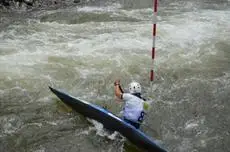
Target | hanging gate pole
(152,74)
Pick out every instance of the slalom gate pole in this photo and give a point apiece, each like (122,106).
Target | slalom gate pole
(152,74)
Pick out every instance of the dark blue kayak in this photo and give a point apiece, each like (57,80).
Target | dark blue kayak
(109,121)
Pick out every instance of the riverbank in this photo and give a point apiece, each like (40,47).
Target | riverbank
(25,5)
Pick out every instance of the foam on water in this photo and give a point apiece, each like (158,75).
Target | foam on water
(98,127)
(10,124)
(42,149)
(191,124)
(110,8)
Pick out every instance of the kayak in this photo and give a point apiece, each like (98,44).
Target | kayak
(109,121)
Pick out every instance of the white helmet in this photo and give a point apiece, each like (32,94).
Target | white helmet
(134,87)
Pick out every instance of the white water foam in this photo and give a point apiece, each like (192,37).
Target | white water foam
(191,124)
(98,127)
(93,9)
(10,124)
(41,149)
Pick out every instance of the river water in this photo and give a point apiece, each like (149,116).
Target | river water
(83,49)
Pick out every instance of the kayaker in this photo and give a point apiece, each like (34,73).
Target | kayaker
(133,111)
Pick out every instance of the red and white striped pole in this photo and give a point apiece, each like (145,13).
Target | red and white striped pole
(154,38)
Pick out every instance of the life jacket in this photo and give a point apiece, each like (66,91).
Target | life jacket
(139,96)
(133,109)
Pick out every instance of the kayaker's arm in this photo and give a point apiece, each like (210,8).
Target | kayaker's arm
(118,89)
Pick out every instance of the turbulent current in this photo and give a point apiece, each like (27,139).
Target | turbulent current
(84,49)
